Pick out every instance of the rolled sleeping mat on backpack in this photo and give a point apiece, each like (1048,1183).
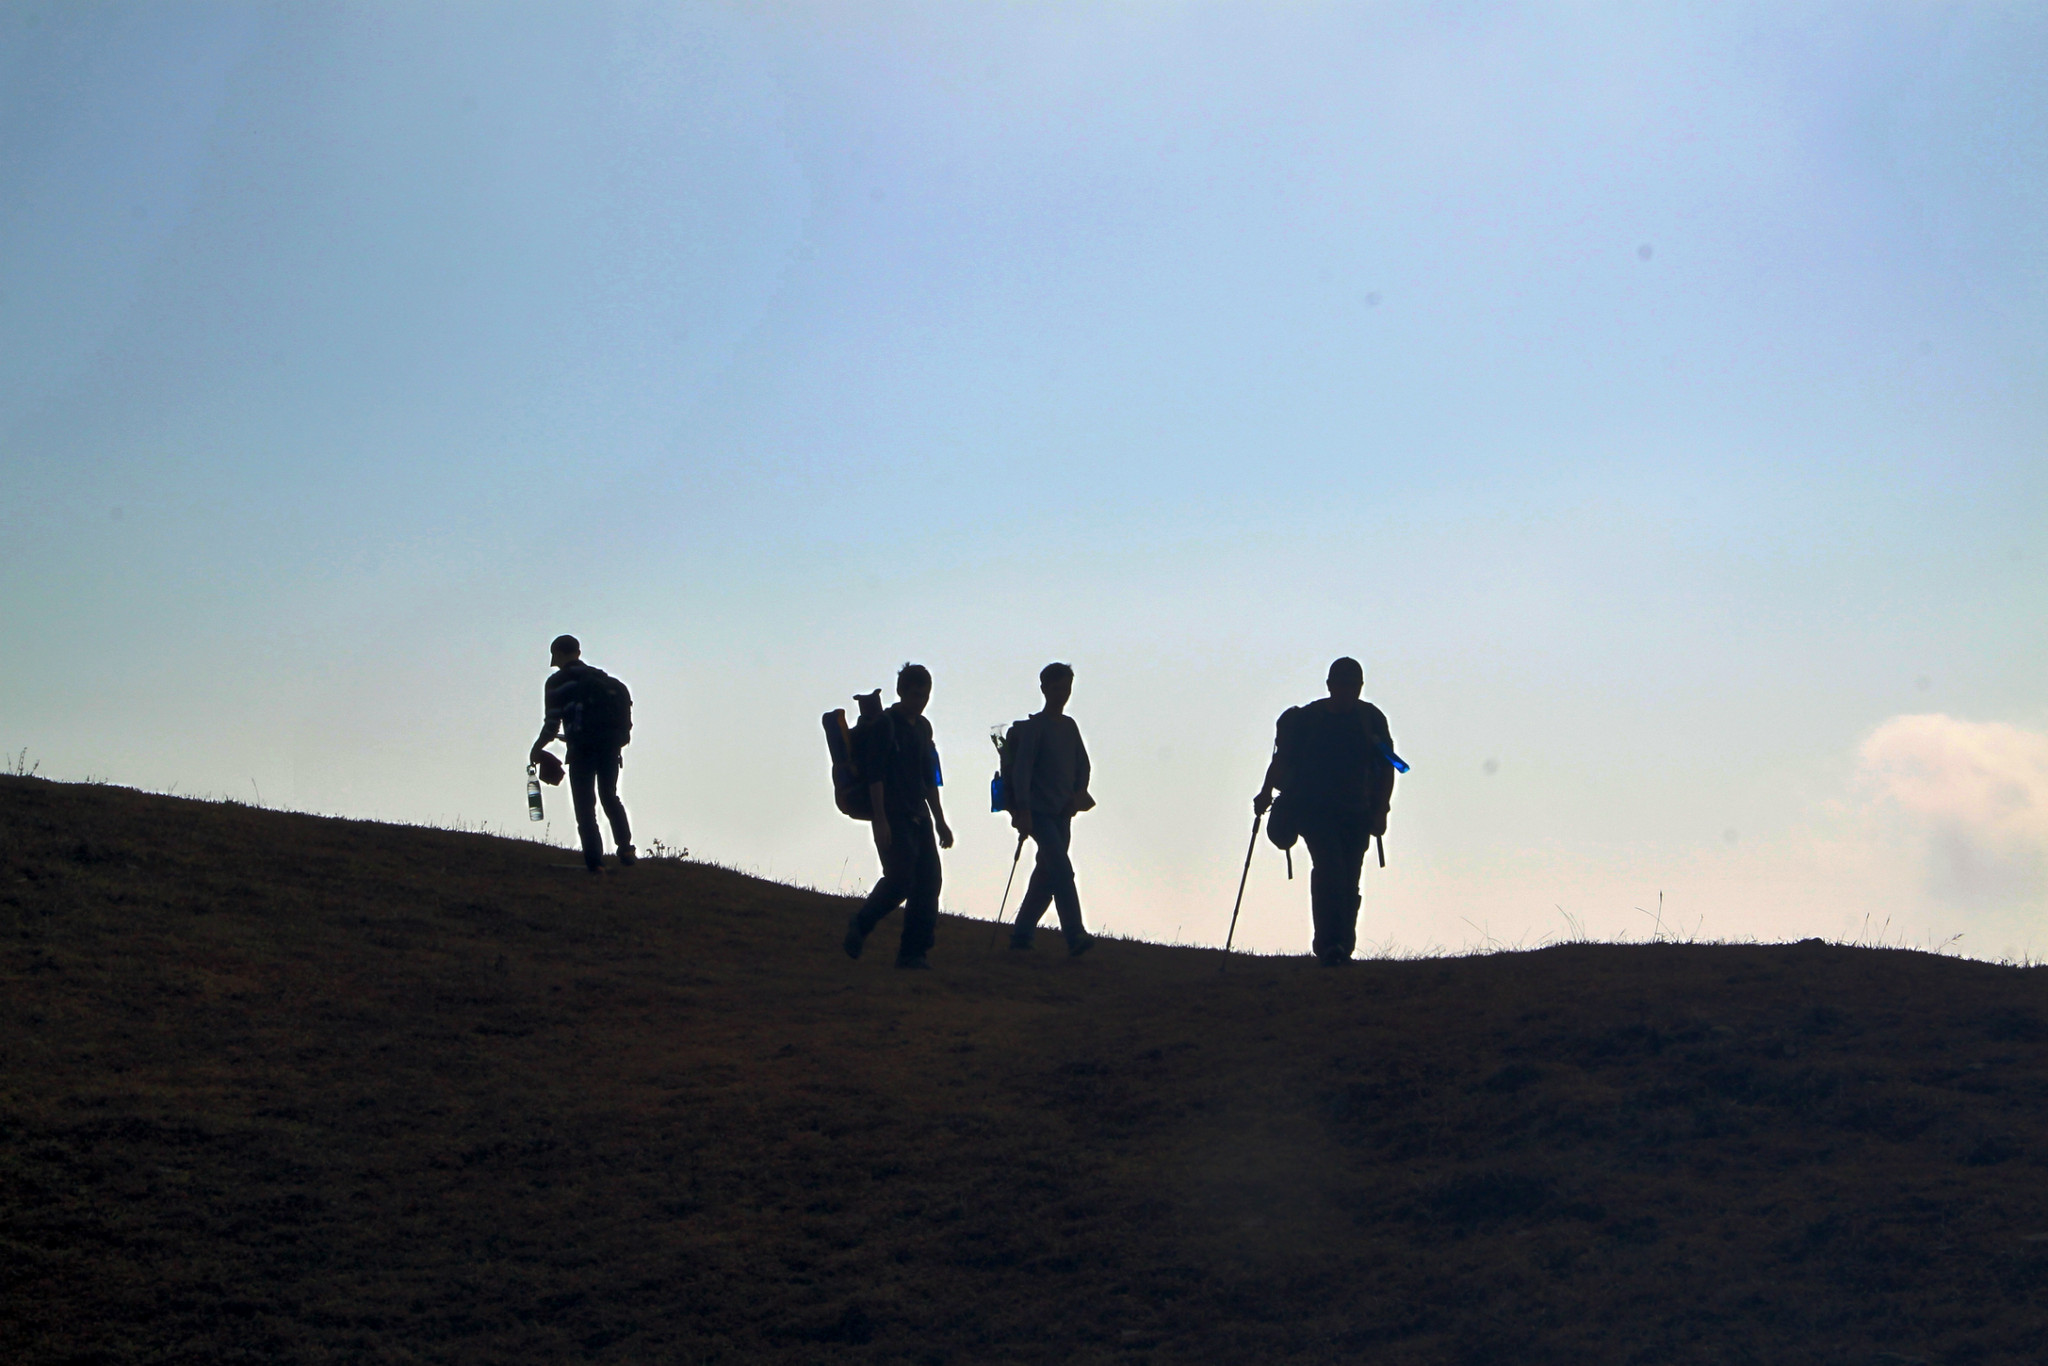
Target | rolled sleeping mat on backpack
(849,793)
(1283,824)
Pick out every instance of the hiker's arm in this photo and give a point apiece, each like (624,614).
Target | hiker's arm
(1277,774)
(882,835)
(548,732)
(1264,800)
(931,794)
(1082,772)
(551,700)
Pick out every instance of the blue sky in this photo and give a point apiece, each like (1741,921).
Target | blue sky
(1652,397)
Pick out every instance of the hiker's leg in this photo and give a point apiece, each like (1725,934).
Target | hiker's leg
(1336,856)
(583,796)
(1068,900)
(1348,861)
(1038,892)
(889,889)
(1055,834)
(921,908)
(608,793)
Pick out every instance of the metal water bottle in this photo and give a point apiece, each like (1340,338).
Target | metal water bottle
(533,812)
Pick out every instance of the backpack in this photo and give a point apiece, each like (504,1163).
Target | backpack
(847,746)
(1307,747)
(602,715)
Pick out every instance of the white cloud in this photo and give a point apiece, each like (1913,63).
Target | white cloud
(1970,798)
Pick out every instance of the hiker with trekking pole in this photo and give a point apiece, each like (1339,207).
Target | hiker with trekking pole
(1044,782)
(1333,765)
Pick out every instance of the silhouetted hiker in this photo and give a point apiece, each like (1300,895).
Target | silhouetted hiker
(593,712)
(1333,763)
(1045,783)
(902,766)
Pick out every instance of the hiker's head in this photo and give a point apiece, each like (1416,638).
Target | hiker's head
(1347,678)
(564,650)
(1056,681)
(914,687)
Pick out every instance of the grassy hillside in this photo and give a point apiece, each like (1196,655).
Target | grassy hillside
(280,1088)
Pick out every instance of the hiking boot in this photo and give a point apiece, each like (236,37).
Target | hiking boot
(1081,945)
(627,856)
(855,936)
(594,869)
(914,964)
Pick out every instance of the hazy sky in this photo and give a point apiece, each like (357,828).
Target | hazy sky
(1652,397)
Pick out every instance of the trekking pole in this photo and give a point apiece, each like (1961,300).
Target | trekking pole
(1250,849)
(996,933)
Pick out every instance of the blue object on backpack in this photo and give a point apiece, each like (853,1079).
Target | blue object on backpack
(995,793)
(1400,765)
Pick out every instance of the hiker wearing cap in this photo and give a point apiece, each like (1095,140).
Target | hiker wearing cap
(1333,764)
(901,763)
(593,713)
(1045,785)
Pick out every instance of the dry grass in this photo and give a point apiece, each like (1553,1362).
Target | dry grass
(280,1088)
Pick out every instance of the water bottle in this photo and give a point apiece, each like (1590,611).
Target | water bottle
(997,734)
(533,812)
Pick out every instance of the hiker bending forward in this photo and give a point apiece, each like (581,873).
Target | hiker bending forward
(1046,785)
(581,707)
(902,764)
(1333,766)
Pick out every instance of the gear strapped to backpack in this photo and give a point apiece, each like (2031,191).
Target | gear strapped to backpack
(601,717)
(1009,739)
(847,746)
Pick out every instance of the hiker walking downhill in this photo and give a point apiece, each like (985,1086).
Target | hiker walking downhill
(1333,763)
(593,712)
(901,764)
(1045,784)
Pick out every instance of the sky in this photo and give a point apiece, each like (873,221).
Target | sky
(1651,396)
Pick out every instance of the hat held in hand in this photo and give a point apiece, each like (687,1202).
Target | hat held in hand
(550,768)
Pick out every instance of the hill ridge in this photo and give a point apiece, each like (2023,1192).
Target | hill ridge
(285,1087)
